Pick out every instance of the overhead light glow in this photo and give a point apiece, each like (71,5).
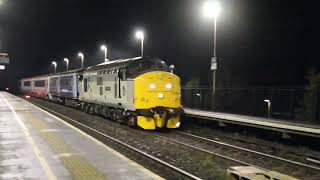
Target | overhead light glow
(139,34)
(103,47)
(211,9)
(266,100)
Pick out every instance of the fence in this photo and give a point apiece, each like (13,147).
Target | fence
(286,103)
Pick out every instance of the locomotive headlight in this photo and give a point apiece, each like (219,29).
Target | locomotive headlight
(152,86)
(169,86)
(160,96)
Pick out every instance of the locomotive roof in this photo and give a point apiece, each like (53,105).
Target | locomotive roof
(114,64)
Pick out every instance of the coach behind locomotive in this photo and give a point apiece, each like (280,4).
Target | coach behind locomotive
(139,91)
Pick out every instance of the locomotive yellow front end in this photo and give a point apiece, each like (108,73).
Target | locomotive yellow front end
(157,100)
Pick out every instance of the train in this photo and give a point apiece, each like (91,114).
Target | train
(140,92)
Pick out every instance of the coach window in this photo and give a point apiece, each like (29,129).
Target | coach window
(40,83)
(85,85)
(26,83)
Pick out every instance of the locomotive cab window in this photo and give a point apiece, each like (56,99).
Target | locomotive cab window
(141,66)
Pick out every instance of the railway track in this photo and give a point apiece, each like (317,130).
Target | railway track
(251,151)
(235,155)
(183,174)
(244,155)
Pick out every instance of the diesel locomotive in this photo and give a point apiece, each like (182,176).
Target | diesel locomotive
(138,91)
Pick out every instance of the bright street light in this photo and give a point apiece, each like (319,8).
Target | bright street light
(82,57)
(105,49)
(67,62)
(55,66)
(140,35)
(269,107)
(211,9)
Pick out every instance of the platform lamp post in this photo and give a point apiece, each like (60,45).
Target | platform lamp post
(269,107)
(105,49)
(55,66)
(82,58)
(140,35)
(211,9)
(67,62)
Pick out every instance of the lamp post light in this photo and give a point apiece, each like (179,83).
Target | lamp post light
(171,67)
(82,57)
(200,96)
(269,107)
(211,9)
(140,35)
(55,66)
(105,49)
(67,62)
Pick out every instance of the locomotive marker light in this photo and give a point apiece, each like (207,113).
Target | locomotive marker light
(140,35)
(67,62)
(82,57)
(211,9)
(269,107)
(105,49)
(55,66)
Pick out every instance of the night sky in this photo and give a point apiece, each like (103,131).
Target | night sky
(259,43)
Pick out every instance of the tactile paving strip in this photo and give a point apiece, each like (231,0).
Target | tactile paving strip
(78,166)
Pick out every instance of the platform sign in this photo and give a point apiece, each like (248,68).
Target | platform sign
(214,64)
(4,58)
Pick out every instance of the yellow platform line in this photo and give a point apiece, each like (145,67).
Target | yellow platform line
(44,164)
(77,165)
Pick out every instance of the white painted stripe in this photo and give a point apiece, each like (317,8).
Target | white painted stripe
(36,150)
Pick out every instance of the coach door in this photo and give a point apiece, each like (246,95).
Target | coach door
(117,84)
(85,87)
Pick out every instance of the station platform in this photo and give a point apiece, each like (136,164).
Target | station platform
(264,123)
(35,144)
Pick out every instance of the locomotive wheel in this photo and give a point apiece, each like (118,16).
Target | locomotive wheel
(132,121)
(86,108)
